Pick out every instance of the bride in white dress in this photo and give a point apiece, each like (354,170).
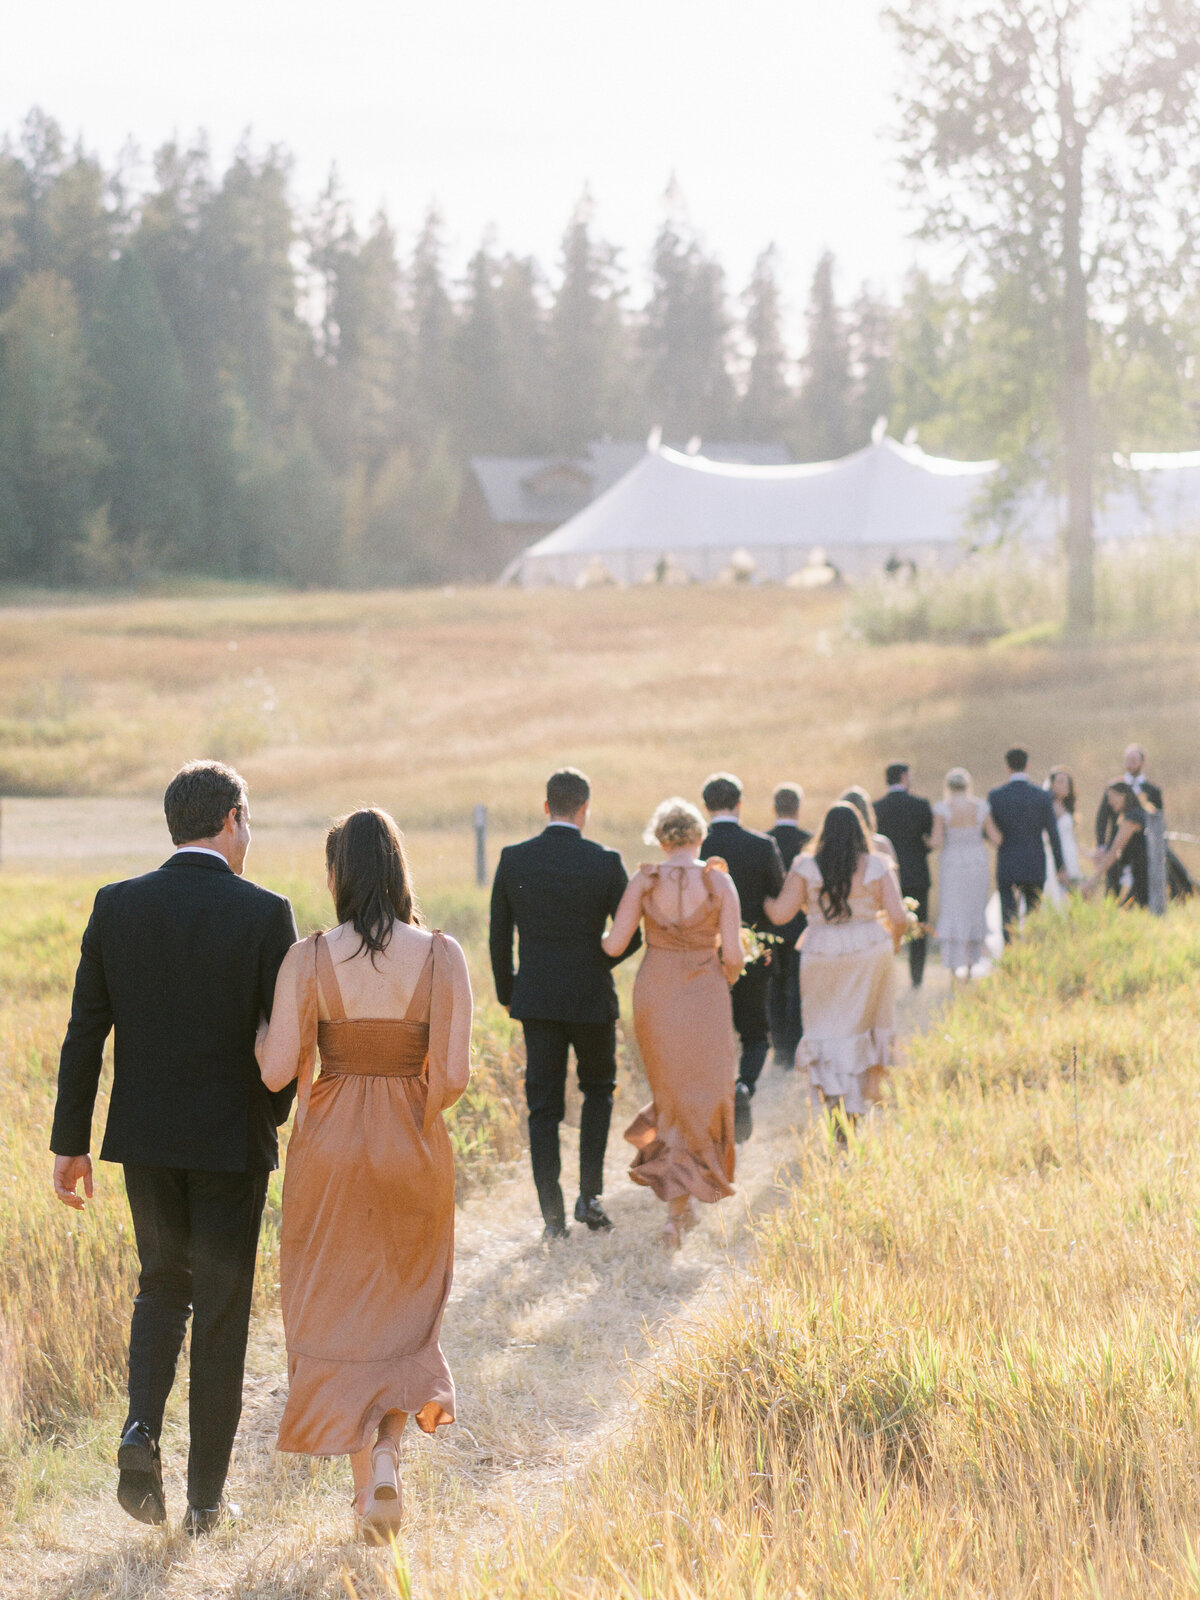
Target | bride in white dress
(961,825)
(1061,784)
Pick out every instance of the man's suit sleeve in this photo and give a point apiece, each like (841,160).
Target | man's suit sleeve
(281,936)
(926,825)
(83,1048)
(500,936)
(618,882)
(1050,823)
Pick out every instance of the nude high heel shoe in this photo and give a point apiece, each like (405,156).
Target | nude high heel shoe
(384,1508)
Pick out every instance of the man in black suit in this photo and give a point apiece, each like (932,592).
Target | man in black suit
(558,891)
(756,868)
(907,821)
(181,965)
(783,974)
(1025,817)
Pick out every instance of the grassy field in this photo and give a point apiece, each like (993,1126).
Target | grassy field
(966,1359)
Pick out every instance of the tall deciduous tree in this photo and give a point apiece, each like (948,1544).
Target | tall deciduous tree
(1058,142)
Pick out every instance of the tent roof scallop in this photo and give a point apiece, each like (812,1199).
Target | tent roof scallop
(888,495)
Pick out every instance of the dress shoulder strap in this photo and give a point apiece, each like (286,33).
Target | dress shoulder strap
(418,1006)
(327,982)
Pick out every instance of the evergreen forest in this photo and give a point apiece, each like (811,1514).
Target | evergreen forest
(208,374)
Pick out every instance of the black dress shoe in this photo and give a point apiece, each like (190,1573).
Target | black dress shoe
(593,1214)
(199,1520)
(743,1122)
(140,1484)
(555,1230)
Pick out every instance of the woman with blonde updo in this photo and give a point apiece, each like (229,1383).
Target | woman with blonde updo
(682,1016)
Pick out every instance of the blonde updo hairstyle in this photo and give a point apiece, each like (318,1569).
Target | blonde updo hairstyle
(675,823)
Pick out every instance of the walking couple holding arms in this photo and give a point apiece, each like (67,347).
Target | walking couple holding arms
(219,1017)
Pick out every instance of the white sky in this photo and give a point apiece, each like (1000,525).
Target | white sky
(770,112)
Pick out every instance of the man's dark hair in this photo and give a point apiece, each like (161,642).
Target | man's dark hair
(895,773)
(788,798)
(1016,759)
(199,798)
(567,791)
(721,792)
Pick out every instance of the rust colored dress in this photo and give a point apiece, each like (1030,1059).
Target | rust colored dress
(367,1247)
(683,1019)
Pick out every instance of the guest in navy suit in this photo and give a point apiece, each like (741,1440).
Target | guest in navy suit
(1024,814)
(783,988)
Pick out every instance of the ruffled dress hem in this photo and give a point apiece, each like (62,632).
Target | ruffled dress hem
(849,1069)
(325,1393)
(673,1170)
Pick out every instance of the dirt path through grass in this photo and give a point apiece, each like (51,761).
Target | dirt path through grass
(541,1341)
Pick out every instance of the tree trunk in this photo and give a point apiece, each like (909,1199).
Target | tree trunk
(1076,401)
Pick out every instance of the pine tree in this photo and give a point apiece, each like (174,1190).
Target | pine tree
(482,426)
(823,412)
(870,338)
(431,397)
(49,454)
(768,402)
(587,352)
(685,332)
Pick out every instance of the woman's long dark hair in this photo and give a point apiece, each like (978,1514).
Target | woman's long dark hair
(1128,794)
(842,845)
(1069,798)
(372,884)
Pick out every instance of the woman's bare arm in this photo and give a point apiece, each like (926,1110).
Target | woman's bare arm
(628,915)
(893,905)
(938,837)
(730,926)
(1103,859)
(278,1047)
(458,1048)
(793,897)
(991,832)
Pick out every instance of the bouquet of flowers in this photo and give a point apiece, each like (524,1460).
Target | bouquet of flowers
(916,928)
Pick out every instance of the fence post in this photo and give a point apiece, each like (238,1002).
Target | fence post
(1156,862)
(479,819)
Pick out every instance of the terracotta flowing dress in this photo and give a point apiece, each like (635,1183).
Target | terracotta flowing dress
(683,1020)
(367,1246)
(847,991)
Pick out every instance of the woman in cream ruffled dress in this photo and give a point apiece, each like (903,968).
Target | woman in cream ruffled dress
(856,918)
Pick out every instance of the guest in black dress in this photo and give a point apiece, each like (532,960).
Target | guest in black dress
(1123,860)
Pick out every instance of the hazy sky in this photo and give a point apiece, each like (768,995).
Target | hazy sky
(770,112)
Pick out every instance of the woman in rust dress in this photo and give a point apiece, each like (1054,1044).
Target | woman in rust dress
(367,1246)
(682,1017)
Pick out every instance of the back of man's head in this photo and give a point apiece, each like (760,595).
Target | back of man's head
(721,792)
(788,798)
(567,792)
(1016,759)
(896,773)
(199,798)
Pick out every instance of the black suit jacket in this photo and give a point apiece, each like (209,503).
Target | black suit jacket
(907,821)
(557,891)
(180,964)
(755,866)
(1024,813)
(790,840)
(1105,815)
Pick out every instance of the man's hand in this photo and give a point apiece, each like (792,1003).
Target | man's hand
(68,1171)
(1064,877)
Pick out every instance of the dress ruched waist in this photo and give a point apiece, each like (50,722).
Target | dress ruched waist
(663,936)
(842,938)
(374,1047)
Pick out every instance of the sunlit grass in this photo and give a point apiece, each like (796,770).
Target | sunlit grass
(967,1361)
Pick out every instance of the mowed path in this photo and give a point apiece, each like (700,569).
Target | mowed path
(544,1342)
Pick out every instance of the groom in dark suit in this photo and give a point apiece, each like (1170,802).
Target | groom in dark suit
(907,821)
(756,868)
(181,964)
(1025,817)
(558,891)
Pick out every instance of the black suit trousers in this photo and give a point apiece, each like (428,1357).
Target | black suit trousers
(546,1048)
(783,1002)
(916,947)
(197,1238)
(1009,908)
(749,996)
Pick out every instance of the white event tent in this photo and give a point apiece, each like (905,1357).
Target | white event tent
(700,517)
(681,517)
